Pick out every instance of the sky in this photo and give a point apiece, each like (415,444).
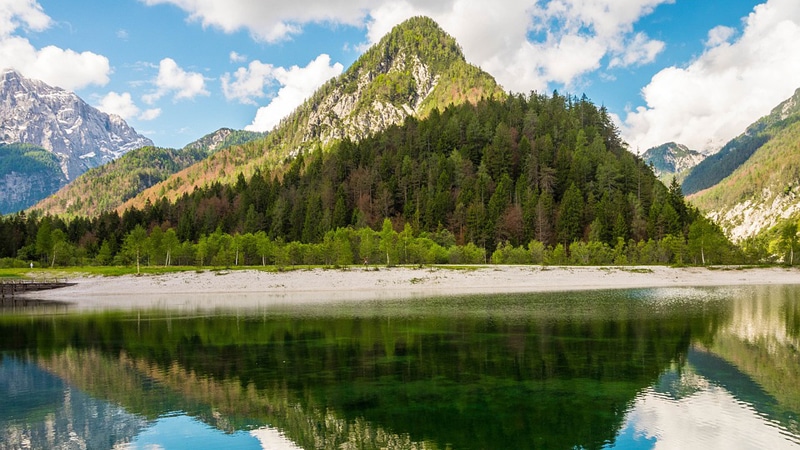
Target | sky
(696,72)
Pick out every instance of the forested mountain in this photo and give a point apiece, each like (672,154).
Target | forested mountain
(760,192)
(415,68)
(672,160)
(222,139)
(527,179)
(411,156)
(27,173)
(78,135)
(763,189)
(720,165)
(106,187)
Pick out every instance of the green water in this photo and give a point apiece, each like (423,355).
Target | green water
(678,368)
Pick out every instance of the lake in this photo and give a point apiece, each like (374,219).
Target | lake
(646,368)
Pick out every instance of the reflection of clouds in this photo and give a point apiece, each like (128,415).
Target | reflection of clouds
(712,418)
(272,439)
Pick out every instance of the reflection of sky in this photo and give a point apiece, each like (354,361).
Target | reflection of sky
(710,418)
(184,432)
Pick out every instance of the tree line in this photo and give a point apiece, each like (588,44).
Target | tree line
(528,170)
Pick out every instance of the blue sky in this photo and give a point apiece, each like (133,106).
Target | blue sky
(692,71)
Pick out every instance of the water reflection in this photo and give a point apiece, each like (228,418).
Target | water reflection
(660,368)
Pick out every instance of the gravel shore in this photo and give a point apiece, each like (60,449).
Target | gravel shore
(252,288)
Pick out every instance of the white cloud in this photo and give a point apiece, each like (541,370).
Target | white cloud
(119,104)
(173,79)
(150,114)
(641,50)
(270,21)
(719,35)
(499,42)
(26,14)
(236,57)
(56,66)
(124,106)
(726,88)
(248,83)
(297,84)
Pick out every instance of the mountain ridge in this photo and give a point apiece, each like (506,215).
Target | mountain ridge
(106,187)
(380,90)
(33,112)
(764,188)
(672,160)
(738,150)
(59,123)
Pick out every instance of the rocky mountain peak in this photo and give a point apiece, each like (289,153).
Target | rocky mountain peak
(59,121)
(672,159)
(415,68)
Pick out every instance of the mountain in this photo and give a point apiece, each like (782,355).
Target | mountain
(738,150)
(222,139)
(106,187)
(80,136)
(765,187)
(672,160)
(413,70)
(518,178)
(27,173)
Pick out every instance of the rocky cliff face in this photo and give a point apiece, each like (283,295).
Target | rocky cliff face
(59,121)
(415,68)
(19,191)
(356,114)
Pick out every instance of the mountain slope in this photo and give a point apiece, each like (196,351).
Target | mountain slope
(27,173)
(766,187)
(722,164)
(82,137)
(415,68)
(552,170)
(672,160)
(77,135)
(106,187)
(761,191)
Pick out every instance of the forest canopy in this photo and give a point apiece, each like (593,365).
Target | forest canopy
(544,171)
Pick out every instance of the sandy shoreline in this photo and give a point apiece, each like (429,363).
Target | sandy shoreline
(252,288)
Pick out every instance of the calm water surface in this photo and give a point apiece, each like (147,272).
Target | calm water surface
(654,368)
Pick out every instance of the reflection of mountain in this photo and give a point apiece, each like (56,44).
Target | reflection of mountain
(490,380)
(54,414)
(736,390)
(761,340)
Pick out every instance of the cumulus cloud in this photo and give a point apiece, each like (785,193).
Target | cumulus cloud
(248,83)
(236,57)
(172,79)
(150,114)
(719,35)
(729,86)
(641,50)
(119,104)
(124,106)
(572,37)
(56,66)
(270,21)
(297,84)
(26,14)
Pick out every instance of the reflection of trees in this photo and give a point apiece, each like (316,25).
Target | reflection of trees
(762,340)
(546,376)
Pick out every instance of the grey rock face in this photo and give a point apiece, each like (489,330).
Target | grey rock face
(59,121)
